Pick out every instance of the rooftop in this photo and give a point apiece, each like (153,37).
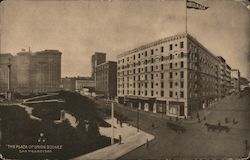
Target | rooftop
(167,39)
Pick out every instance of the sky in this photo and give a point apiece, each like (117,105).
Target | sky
(78,28)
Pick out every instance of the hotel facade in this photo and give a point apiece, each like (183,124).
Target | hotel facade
(176,75)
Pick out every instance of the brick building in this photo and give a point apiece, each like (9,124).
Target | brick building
(97,59)
(106,79)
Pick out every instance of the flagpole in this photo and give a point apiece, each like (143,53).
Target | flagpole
(186,14)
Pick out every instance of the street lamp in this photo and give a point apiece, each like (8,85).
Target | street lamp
(112,118)
(137,119)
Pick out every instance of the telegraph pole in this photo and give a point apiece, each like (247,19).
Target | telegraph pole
(9,81)
(112,116)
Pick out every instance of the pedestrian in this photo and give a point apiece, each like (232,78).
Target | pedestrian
(234,121)
(121,123)
(147,144)
(219,124)
(197,115)
(226,120)
(199,120)
(120,139)
(246,144)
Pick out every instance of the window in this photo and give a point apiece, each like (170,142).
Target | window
(170,47)
(152,60)
(138,77)
(181,45)
(139,92)
(152,51)
(134,78)
(146,93)
(182,74)
(134,92)
(176,83)
(156,84)
(139,86)
(170,56)
(170,84)
(182,64)
(139,55)
(162,49)
(162,58)
(170,65)
(162,85)
(134,57)
(162,93)
(170,74)
(152,85)
(182,84)
(162,75)
(152,68)
(139,70)
(134,71)
(127,91)
(182,54)
(156,67)
(176,64)
(146,85)
(152,76)
(152,93)
(146,77)
(127,58)
(146,69)
(182,94)
(146,53)
(170,94)
(162,67)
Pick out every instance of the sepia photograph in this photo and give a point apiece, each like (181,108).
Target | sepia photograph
(124,79)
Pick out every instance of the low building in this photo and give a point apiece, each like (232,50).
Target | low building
(68,84)
(106,79)
(84,82)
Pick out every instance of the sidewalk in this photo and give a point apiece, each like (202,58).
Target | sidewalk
(130,141)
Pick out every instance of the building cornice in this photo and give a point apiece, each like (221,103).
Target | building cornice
(155,43)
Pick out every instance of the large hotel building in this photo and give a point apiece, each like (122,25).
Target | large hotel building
(175,75)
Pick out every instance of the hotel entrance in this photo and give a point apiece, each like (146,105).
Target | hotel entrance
(176,109)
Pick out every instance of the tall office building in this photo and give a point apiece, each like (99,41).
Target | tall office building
(106,79)
(5,60)
(33,72)
(97,59)
(175,75)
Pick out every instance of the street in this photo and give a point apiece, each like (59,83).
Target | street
(197,141)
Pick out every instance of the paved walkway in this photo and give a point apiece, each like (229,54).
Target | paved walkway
(131,139)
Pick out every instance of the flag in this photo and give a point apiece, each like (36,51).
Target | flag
(195,5)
